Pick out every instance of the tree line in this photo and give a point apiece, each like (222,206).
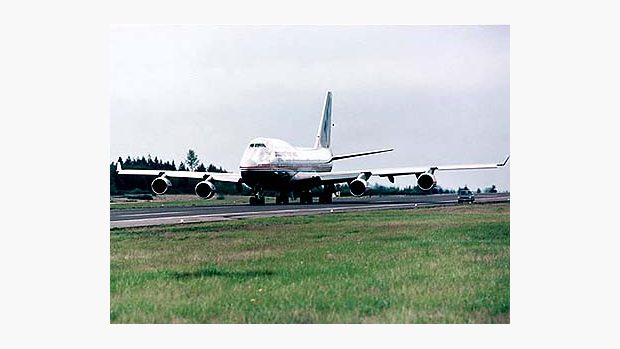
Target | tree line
(122,185)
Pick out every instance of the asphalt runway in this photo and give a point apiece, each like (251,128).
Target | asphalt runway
(176,215)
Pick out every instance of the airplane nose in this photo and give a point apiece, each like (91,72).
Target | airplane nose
(247,161)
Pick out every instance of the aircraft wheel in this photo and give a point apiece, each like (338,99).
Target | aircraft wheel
(325,198)
(305,198)
(257,201)
(282,199)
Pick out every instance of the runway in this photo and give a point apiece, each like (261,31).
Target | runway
(120,218)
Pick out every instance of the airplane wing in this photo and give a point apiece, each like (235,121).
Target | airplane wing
(216,176)
(347,176)
(353,155)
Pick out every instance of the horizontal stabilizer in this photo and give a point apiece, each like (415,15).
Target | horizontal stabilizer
(352,155)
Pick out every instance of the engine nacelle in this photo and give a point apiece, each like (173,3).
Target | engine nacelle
(358,187)
(426,181)
(160,185)
(205,189)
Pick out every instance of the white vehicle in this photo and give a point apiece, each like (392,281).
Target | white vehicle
(274,167)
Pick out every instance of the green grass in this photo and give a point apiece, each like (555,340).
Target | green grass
(182,201)
(437,265)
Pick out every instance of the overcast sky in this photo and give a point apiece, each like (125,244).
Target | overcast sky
(439,95)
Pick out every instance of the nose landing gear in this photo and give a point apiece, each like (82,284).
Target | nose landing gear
(258,198)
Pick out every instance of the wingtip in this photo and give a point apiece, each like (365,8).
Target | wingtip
(505,161)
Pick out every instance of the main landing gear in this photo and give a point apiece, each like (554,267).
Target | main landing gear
(305,198)
(326,195)
(282,199)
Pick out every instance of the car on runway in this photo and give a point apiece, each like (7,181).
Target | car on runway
(465,195)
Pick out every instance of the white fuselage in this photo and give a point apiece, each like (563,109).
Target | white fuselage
(270,164)
(268,154)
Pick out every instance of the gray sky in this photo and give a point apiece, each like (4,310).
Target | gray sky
(437,94)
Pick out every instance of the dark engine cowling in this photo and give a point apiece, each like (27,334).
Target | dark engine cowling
(205,189)
(160,185)
(358,187)
(426,181)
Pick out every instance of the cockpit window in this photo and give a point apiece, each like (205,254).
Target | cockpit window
(257,145)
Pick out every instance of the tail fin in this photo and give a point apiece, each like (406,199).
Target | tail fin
(325,128)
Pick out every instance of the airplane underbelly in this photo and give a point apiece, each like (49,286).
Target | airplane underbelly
(267,180)
(277,175)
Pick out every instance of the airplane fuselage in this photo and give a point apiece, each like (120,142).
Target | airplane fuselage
(270,164)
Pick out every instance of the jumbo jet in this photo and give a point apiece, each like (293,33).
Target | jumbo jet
(274,167)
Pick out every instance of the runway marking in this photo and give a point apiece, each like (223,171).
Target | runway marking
(326,209)
(120,222)
(270,211)
(121,215)
(149,214)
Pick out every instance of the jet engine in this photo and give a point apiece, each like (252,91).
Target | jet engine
(160,185)
(358,187)
(426,181)
(205,189)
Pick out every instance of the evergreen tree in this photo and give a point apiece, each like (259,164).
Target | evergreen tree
(191,160)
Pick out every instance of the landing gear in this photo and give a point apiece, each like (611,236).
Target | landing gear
(325,198)
(257,200)
(305,198)
(326,194)
(282,199)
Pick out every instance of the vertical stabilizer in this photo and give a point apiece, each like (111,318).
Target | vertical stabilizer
(325,127)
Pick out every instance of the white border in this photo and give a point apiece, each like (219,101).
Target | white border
(55,255)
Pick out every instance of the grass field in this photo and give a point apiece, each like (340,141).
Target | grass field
(181,201)
(425,265)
